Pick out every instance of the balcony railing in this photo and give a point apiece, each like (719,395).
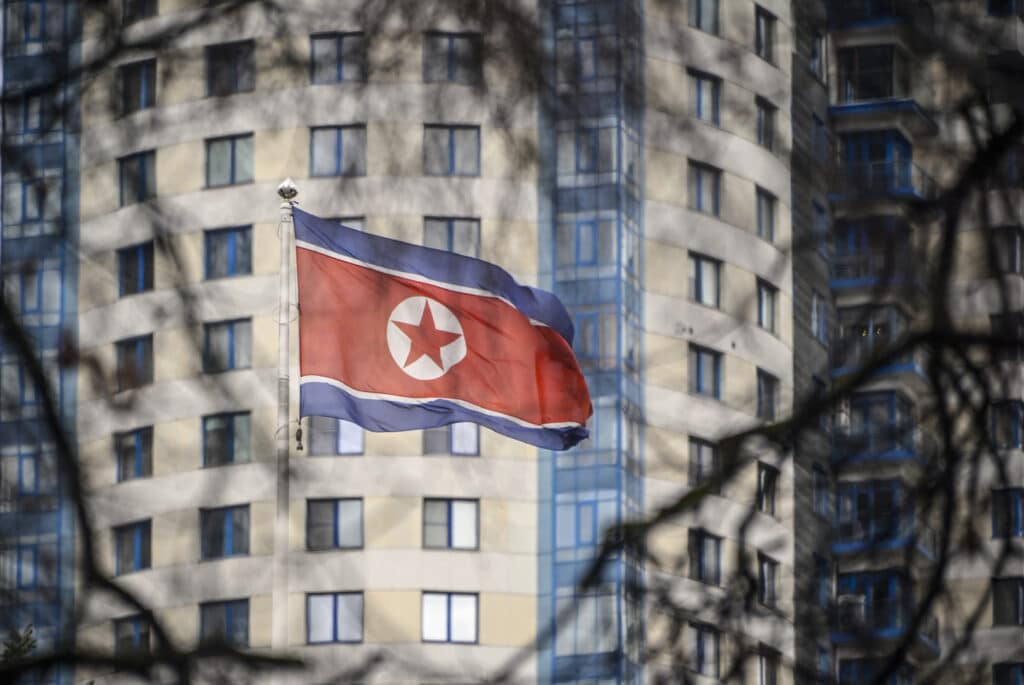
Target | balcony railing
(883,179)
(888,442)
(879,535)
(869,268)
(882,619)
(872,84)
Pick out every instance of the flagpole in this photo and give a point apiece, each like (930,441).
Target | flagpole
(279,600)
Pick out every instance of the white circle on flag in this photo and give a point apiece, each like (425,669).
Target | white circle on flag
(425,338)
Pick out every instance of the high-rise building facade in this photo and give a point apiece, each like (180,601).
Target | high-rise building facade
(717,190)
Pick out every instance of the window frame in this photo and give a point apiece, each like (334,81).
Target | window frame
(698,539)
(767,306)
(334,617)
(233,54)
(228,607)
(339,425)
(142,254)
(232,233)
(703,631)
(233,173)
(228,548)
(449,428)
(336,526)
(697,172)
(766,210)
(230,431)
(141,635)
(448,616)
(765,30)
(142,374)
(766,116)
(1016,612)
(767,488)
(340,161)
(697,19)
(339,38)
(232,363)
(451,170)
(475,47)
(449,523)
(449,227)
(696,263)
(767,581)
(701,81)
(141,540)
(1014,499)
(697,475)
(696,385)
(144,71)
(143,446)
(767,395)
(821,491)
(146,161)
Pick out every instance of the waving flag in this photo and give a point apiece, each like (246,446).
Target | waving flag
(397,337)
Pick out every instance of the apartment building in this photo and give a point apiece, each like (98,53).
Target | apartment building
(715,190)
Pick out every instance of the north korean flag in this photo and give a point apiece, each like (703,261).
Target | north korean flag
(394,337)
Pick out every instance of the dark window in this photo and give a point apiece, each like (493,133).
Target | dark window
(1008,244)
(131,636)
(767,395)
(705,557)
(705,371)
(764,38)
(451,150)
(705,650)
(1006,424)
(705,92)
(822,581)
(1008,336)
(338,151)
(134,454)
(1008,674)
(768,667)
(1008,601)
(135,269)
(766,114)
(229,160)
(226,439)
(705,280)
(132,546)
(767,297)
(872,72)
(452,57)
(228,345)
(461,438)
(137,175)
(138,85)
(329,436)
(229,252)
(452,235)
(225,531)
(869,510)
(34,21)
(334,524)
(339,57)
(705,188)
(334,617)
(822,487)
(767,480)
(767,571)
(451,523)
(819,52)
(134,362)
(229,68)
(134,10)
(704,15)
(1008,513)
(224,622)
(703,461)
(765,215)
(819,318)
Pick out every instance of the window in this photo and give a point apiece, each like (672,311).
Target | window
(33,21)
(335,617)
(703,461)
(226,622)
(765,215)
(872,72)
(767,479)
(580,521)
(137,175)
(819,139)
(452,235)
(229,68)
(704,96)
(705,188)
(338,151)
(228,345)
(767,395)
(1008,601)
(1008,513)
(767,295)
(819,54)
(821,486)
(449,617)
(452,58)
(869,511)
(822,581)
(1007,336)
(1008,244)
(225,531)
(32,199)
(329,436)
(819,318)
(461,438)
(229,252)
(134,362)
(334,524)
(705,370)
(767,570)
(764,38)
(132,547)
(226,439)
(135,269)
(705,557)
(451,150)
(338,57)
(586,150)
(704,649)
(705,280)
(767,667)
(138,85)
(134,454)
(451,523)
(704,15)
(1006,425)
(1008,674)
(821,229)
(229,160)
(585,242)
(131,636)
(355,222)
(766,113)
(134,10)
(1005,8)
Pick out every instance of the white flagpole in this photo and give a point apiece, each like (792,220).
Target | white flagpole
(279,601)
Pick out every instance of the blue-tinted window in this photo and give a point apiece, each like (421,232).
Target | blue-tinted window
(705,371)
(767,486)
(705,551)
(137,175)
(822,581)
(138,85)
(131,636)
(451,523)
(334,524)
(226,439)
(27,567)
(230,68)
(228,345)
(821,486)
(1008,601)
(705,93)
(134,10)
(705,280)
(1008,512)
(224,622)
(338,57)
(224,531)
(704,15)
(338,151)
(135,269)
(1006,424)
(34,21)
(766,115)
(134,452)
(705,188)
(452,58)
(451,150)
(229,252)
(767,395)
(886,601)
(706,650)
(132,546)
(765,215)
(229,160)
(134,362)
(1008,674)
(868,511)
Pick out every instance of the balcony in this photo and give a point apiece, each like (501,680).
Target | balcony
(850,13)
(877,537)
(872,268)
(882,180)
(882,621)
(882,443)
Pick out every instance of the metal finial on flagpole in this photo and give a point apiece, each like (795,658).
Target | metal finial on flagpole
(287,191)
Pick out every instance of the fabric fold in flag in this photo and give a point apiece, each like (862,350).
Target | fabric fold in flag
(395,336)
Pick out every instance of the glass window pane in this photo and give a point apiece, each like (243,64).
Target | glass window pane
(325,60)
(466,237)
(213,621)
(243,344)
(435,440)
(350,617)
(435,617)
(213,533)
(435,58)
(465,438)
(353,58)
(243,159)
(464,524)
(215,440)
(239,530)
(354,151)
(350,523)
(320,525)
(217,352)
(467,151)
(218,162)
(243,251)
(323,435)
(435,150)
(435,234)
(325,142)
(240,445)
(350,437)
(435,523)
(319,617)
(463,618)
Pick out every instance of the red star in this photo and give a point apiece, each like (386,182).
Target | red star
(426,338)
